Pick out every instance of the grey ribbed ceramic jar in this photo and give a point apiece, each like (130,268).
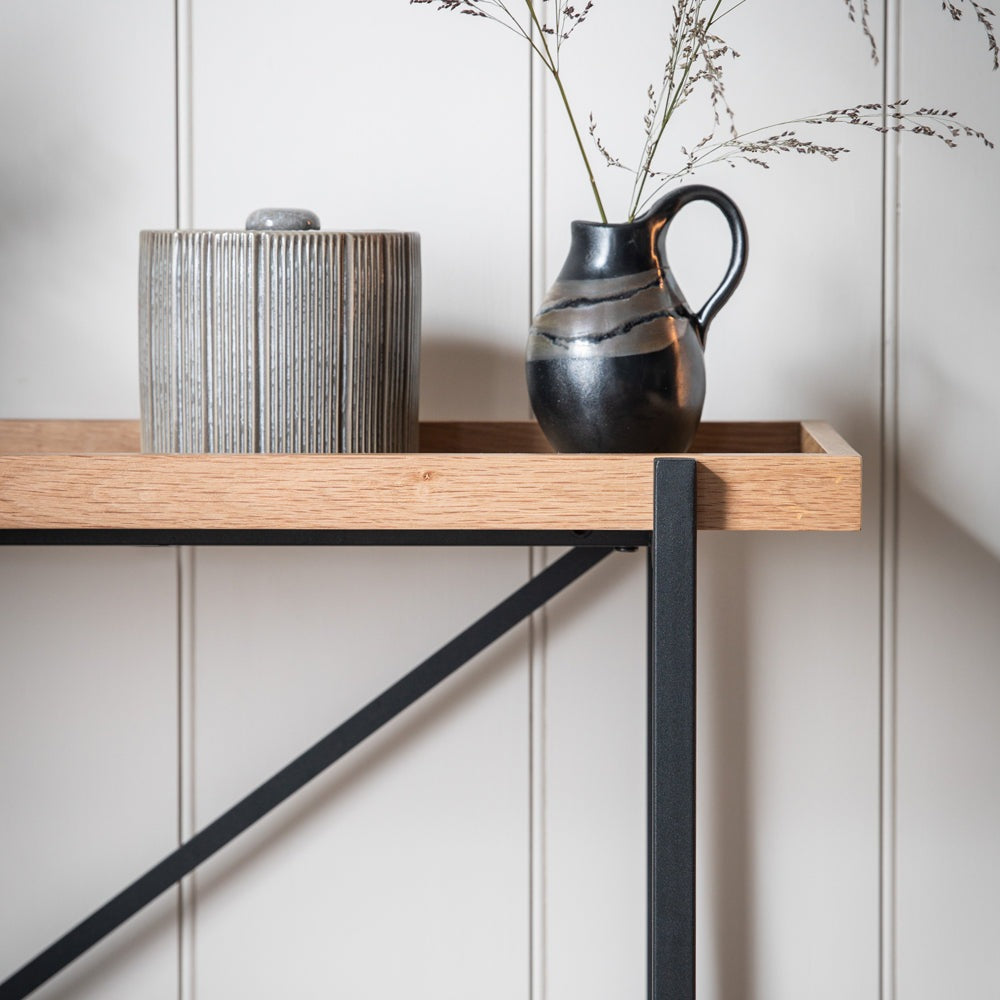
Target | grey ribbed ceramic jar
(279,339)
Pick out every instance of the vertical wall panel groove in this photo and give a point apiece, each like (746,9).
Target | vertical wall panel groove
(889,511)
(183,110)
(187,821)
(186,751)
(538,558)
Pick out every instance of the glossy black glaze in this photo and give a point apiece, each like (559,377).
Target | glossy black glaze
(623,404)
(615,356)
(598,250)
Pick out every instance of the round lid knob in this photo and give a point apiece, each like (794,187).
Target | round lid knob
(282,218)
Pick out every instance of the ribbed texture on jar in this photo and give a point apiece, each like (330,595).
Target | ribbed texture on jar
(279,341)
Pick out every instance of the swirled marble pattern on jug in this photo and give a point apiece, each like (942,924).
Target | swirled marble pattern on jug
(610,317)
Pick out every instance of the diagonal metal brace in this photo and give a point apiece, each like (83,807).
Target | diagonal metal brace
(440,665)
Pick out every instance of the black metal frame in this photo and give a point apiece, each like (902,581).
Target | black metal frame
(671,706)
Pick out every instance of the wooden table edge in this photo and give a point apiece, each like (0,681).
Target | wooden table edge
(817,488)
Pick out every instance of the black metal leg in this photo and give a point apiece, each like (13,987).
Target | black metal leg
(671,733)
(303,769)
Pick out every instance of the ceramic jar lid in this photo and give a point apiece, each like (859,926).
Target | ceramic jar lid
(264,219)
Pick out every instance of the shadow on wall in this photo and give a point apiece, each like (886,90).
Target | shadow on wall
(140,935)
(948,743)
(461,379)
(47,299)
(949,450)
(949,628)
(723,697)
(940,543)
(948,739)
(332,788)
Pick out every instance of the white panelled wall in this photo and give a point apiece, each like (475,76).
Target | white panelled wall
(490,843)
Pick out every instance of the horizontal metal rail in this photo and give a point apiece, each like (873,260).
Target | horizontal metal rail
(296,537)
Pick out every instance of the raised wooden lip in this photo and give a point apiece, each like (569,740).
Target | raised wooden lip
(90,474)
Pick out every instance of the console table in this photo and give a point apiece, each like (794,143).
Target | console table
(86,483)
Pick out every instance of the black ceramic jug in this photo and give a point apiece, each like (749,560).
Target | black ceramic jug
(615,356)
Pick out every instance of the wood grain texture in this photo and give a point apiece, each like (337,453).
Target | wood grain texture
(25,437)
(777,491)
(526,437)
(521,436)
(818,438)
(32,437)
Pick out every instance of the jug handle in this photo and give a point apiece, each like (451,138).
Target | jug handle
(667,208)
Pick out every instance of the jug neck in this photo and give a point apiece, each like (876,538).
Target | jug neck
(602,250)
